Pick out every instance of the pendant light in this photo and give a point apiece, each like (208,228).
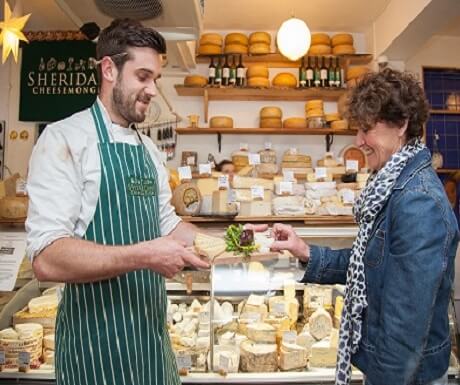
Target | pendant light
(293,38)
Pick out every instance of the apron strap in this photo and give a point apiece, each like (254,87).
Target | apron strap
(101,128)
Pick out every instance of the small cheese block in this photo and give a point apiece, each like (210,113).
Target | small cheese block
(236,49)
(339,125)
(260,37)
(255,209)
(207,185)
(284,80)
(271,112)
(43,304)
(343,49)
(270,123)
(48,342)
(262,333)
(323,355)
(221,122)
(195,81)
(292,357)
(306,340)
(291,307)
(244,309)
(48,357)
(195,306)
(209,246)
(258,82)
(209,49)
(259,49)
(319,49)
(236,38)
(211,38)
(247,183)
(257,71)
(332,117)
(258,357)
(320,38)
(320,324)
(295,123)
(341,39)
(280,322)
(221,204)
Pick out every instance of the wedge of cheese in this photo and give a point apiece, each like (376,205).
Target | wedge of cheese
(323,355)
(258,357)
(292,357)
(320,324)
(262,333)
(209,246)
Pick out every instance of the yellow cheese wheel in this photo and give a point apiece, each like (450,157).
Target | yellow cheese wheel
(320,38)
(343,49)
(186,199)
(295,123)
(314,104)
(211,38)
(315,113)
(260,37)
(258,82)
(342,38)
(284,79)
(339,125)
(259,49)
(195,81)
(332,117)
(221,122)
(257,71)
(236,38)
(236,49)
(319,49)
(209,49)
(356,72)
(271,112)
(270,123)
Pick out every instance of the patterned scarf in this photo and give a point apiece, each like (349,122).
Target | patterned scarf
(367,207)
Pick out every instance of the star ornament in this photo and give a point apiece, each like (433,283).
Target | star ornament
(11,33)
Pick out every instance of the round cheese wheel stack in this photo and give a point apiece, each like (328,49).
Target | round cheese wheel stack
(221,122)
(211,38)
(332,117)
(195,81)
(339,124)
(270,117)
(319,49)
(320,38)
(187,199)
(209,49)
(259,43)
(258,82)
(344,49)
(236,43)
(270,123)
(314,108)
(236,49)
(284,80)
(257,71)
(259,49)
(295,123)
(240,159)
(341,39)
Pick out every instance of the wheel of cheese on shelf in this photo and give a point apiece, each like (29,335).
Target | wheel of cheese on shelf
(295,123)
(258,82)
(257,71)
(221,122)
(195,81)
(260,37)
(319,49)
(259,49)
(14,207)
(352,152)
(270,123)
(315,104)
(317,113)
(271,112)
(341,39)
(209,49)
(331,117)
(344,49)
(284,79)
(320,38)
(186,199)
(211,38)
(341,124)
(236,49)
(236,38)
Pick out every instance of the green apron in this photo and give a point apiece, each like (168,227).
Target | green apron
(114,331)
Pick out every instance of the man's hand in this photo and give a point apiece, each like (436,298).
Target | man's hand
(287,239)
(256,228)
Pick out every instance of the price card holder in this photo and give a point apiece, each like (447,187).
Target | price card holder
(185,173)
(286,188)
(222,182)
(204,168)
(320,173)
(268,145)
(352,165)
(288,175)
(279,308)
(24,361)
(257,193)
(348,196)
(204,316)
(2,358)
(244,147)
(254,159)
(224,362)
(289,337)
(184,361)
(293,151)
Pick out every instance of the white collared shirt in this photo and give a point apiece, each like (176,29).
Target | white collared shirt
(65,176)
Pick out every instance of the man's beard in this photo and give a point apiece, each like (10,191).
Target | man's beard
(125,105)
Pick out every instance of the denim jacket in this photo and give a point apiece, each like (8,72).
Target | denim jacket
(409,267)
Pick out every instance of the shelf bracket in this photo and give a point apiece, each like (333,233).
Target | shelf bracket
(206,104)
(329,141)
(219,142)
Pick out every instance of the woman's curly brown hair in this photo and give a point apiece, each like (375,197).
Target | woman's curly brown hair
(390,97)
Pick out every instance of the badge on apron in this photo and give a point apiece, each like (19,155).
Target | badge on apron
(140,186)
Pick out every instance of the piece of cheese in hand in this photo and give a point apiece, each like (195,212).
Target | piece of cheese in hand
(209,246)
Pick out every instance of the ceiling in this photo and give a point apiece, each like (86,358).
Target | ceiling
(452,29)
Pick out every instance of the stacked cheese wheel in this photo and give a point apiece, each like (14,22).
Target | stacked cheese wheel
(221,122)
(314,109)
(339,44)
(291,160)
(270,117)
(342,44)
(257,76)
(195,81)
(210,44)
(284,80)
(236,43)
(259,43)
(320,44)
(355,74)
(25,337)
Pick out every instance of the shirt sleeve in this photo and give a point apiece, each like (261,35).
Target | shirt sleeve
(55,192)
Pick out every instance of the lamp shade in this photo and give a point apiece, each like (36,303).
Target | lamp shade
(293,38)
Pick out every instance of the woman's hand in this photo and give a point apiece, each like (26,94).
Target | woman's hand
(287,239)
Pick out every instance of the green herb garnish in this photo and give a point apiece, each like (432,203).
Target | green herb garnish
(233,241)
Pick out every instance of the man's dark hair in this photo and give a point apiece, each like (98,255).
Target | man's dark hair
(122,34)
(390,97)
(222,164)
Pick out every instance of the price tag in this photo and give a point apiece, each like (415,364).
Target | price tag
(185,173)
(204,316)
(254,158)
(244,146)
(190,161)
(348,196)
(320,172)
(286,188)
(257,192)
(279,308)
(288,175)
(2,358)
(290,337)
(222,182)
(24,359)
(224,362)
(184,361)
(204,168)
(268,145)
(293,151)
(253,316)
(352,165)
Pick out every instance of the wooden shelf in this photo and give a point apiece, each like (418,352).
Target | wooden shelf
(309,219)
(263,131)
(447,170)
(276,60)
(445,112)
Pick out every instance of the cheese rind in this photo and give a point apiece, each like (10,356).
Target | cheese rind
(258,357)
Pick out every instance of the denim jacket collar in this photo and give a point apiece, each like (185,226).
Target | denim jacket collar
(419,161)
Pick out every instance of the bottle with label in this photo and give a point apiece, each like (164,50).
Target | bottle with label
(226,72)
(211,72)
(302,74)
(310,73)
(232,80)
(331,73)
(323,72)
(316,71)
(218,80)
(240,73)
(338,73)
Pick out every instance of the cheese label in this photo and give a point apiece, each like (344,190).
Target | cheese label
(222,182)
(2,357)
(253,316)
(140,186)
(286,187)
(288,175)
(268,145)
(289,337)
(190,161)
(204,316)
(352,165)
(204,168)
(257,192)
(293,151)
(348,196)
(24,358)
(184,361)
(224,362)
(254,158)
(185,173)
(279,308)
(244,146)
(320,172)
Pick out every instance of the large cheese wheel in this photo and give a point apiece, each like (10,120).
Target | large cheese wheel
(236,49)
(257,71)
(221,122)
(259,49)
(295,123)
(320,38)
(342,38)
(343,49)
(319,49)
(195,81)
(315,104)
(356,72)
(284,79)
(258,82)
(352,152)
(315,113)
(270,123)
(211,38)
(209,49)
(271,112)
(339,124)
(236,38)
(260,37)
(186,199)
(14,207)
(331,117)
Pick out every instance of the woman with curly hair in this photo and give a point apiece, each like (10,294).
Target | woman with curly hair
(400,269)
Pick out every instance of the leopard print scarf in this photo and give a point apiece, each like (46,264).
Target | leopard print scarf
(367,207)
